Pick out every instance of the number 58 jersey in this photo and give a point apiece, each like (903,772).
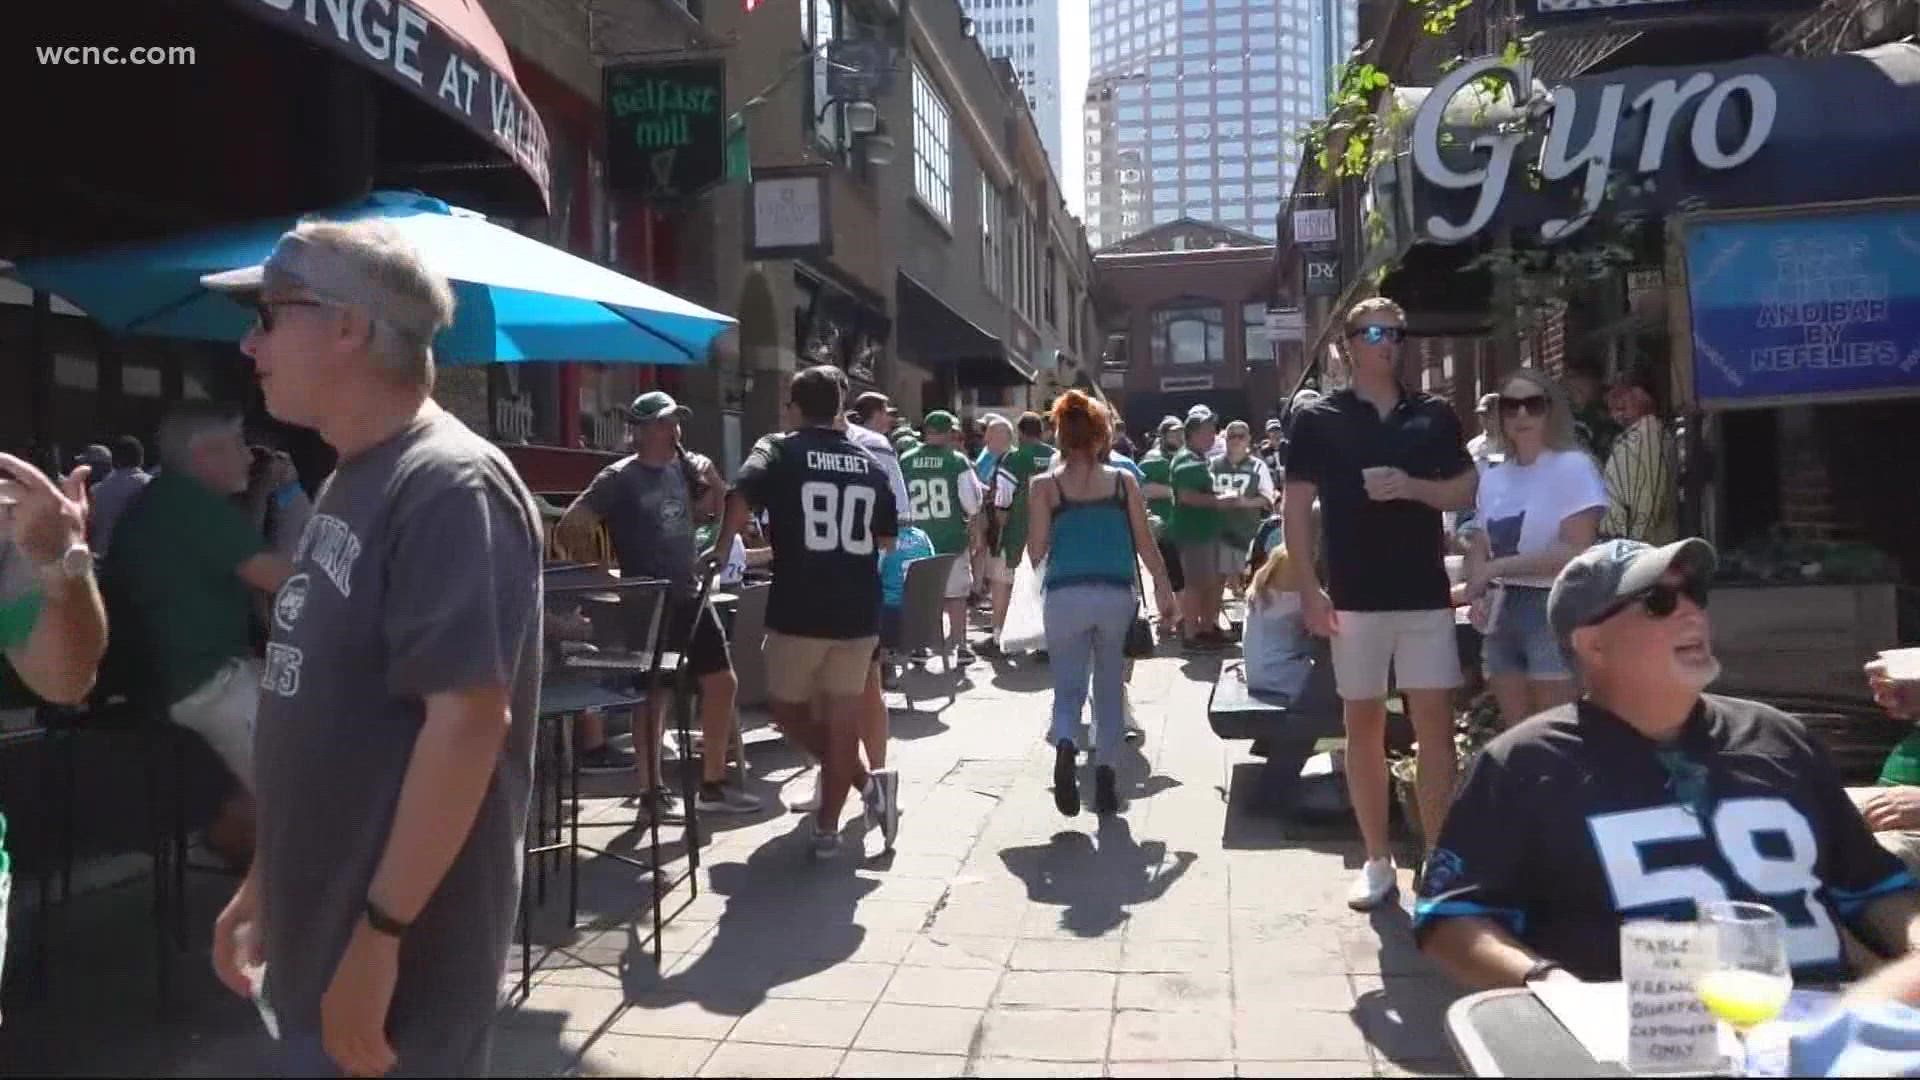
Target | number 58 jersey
(829,505)
(1573,822)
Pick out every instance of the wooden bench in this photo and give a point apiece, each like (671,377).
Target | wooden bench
(1288,724)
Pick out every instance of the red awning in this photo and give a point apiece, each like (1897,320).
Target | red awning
(444,53)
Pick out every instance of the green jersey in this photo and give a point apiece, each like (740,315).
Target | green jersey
(1017,468)
(943,491)
(1157,466)
(1192,524)
(1231,481)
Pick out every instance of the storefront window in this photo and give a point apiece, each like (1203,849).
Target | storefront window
(1189,334)
(1254,317)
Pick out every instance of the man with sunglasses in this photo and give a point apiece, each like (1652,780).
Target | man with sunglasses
(394,744)
(1647,797)
(1384,463)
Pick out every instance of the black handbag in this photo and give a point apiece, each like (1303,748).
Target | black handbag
(1140,644)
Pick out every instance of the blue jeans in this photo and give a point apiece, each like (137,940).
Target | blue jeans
(1087,634)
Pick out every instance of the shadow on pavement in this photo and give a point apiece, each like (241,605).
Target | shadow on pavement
(1021,675)
(786,918)
(1404,1017)
(1095,880)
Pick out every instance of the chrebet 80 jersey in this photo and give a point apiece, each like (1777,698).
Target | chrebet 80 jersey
(1573,822)
(829,505)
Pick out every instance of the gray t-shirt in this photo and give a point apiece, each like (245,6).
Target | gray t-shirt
(418,574)
(649,514)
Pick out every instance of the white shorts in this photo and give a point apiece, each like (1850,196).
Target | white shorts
(960,579)
(1417,646)
(222,711)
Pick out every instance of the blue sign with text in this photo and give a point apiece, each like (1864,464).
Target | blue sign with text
(1805,306)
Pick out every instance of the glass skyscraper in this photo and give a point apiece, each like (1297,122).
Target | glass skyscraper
(1026,33)
(1192,107)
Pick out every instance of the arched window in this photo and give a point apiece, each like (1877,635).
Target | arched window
(1189,332)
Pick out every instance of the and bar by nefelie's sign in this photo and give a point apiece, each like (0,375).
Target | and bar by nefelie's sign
(666,128)
(407,47)
(1816,305)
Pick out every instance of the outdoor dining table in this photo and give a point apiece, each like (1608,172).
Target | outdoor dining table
(1510,1032)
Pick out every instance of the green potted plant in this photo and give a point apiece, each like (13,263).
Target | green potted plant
(1473,728)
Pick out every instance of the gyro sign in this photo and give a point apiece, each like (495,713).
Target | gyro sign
(1727,120)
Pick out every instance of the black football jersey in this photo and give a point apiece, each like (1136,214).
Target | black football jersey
(829,506)
(1573,822)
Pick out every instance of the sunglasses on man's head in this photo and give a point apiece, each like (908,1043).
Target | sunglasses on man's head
(263,310)
(1374,334)
(1532,405)
(1659,601)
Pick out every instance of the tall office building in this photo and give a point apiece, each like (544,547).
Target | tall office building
(1193,106)
(1026,33)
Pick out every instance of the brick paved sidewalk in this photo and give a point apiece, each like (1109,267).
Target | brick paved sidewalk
(1000,940)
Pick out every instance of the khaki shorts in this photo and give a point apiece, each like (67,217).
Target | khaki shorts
(798,668)
(222,711)
(960,580)
(1418,647)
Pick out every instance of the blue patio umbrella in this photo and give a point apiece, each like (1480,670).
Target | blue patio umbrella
(516,298)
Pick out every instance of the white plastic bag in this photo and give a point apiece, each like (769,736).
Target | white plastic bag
(1026,629)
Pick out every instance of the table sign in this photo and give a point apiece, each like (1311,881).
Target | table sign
(1668,1028)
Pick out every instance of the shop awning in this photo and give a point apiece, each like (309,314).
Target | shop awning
(935,335)
(444,54)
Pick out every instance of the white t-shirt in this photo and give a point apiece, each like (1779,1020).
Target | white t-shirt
(1521,506)
(876,444)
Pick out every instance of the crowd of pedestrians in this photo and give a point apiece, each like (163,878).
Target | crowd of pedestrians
(380,738)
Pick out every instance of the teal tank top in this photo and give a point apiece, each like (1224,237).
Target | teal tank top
(1092,541)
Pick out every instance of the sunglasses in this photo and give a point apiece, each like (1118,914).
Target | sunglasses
(263,311)
(1375,334)
(1660,601)
(1532,405)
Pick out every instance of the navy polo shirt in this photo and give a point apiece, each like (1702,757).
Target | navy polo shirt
(1381,556)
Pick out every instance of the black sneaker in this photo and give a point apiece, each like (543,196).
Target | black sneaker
(1042,656)
(964,655)
(1106,800)
(607,758)
(1066,779)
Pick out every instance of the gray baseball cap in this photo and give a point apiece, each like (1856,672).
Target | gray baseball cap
(334,273)
(1200,415)
(1169,423)
(1608,572)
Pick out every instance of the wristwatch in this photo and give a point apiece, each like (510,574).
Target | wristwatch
(72,564)
(1540,970)
(383,923)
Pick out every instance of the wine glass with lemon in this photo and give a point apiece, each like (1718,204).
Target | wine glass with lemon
(1746,980)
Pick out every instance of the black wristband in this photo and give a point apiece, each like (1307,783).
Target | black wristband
(383,923)
(1540,970)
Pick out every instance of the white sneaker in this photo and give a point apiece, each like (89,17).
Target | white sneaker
(808,803)
(1374,885)
(889,783)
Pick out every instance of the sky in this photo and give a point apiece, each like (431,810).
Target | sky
(1073,96)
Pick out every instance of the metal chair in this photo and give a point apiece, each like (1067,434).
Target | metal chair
(923,604)
(631,667)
